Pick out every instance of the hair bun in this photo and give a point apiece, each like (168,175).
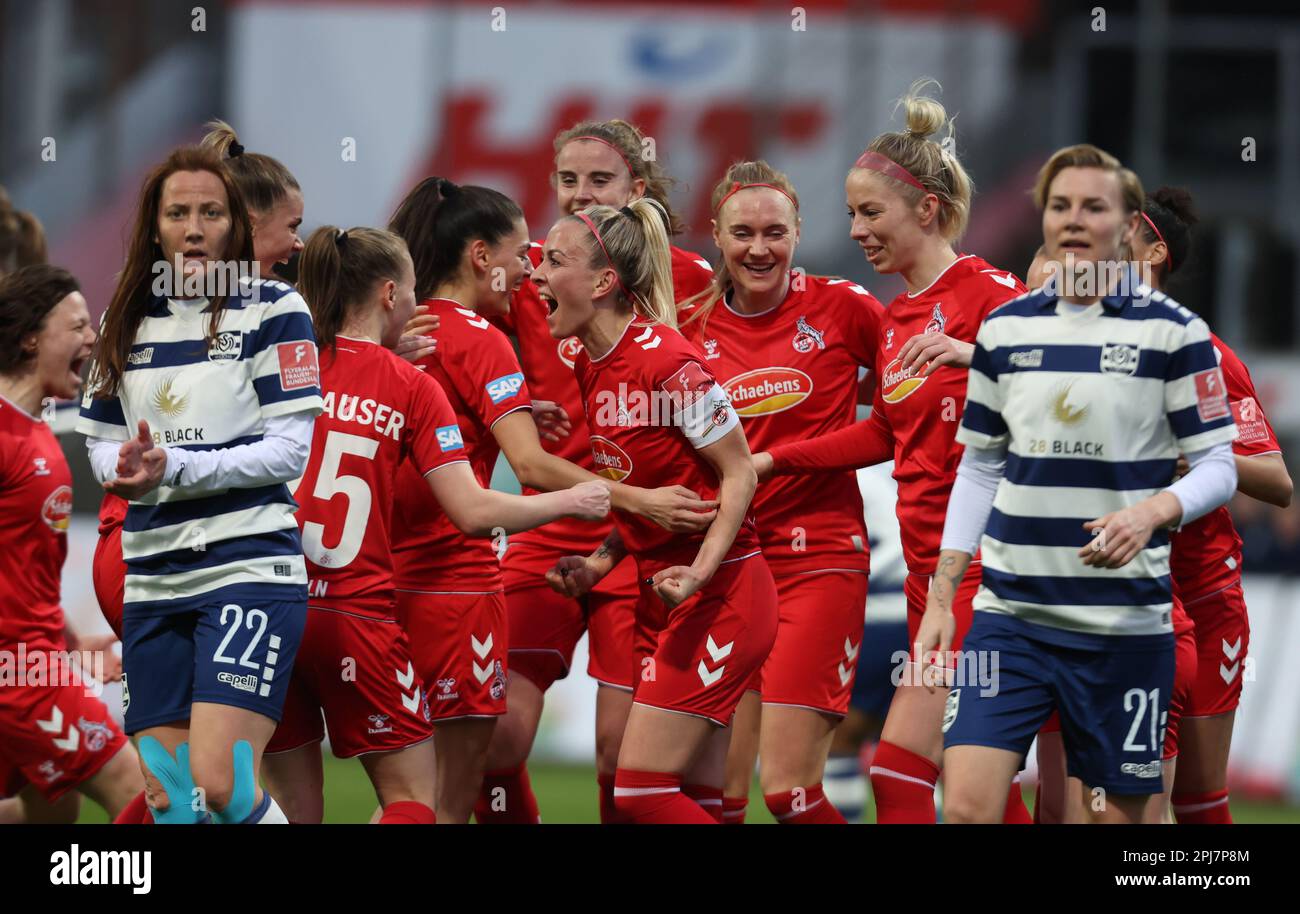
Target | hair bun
(448,188)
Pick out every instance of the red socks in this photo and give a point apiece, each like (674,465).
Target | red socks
(506,798)
(135,813)
(903,784)
(1202,808)
(733,810)
(803,806)
(608,814)
(655,798)
(1016,813)
(708,798)
(407,812)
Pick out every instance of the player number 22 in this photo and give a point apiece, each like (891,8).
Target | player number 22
(328,484)
(255,618)
(1143,701)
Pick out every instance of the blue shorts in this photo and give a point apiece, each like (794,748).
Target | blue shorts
(1112,692)
(873,689)
(231,651)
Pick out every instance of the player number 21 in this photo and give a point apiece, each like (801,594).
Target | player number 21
(1143,702)
(330,483)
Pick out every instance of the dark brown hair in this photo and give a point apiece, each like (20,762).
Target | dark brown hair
(27,296)
(438,220)
(1173,213)
(133,295)
(338,269)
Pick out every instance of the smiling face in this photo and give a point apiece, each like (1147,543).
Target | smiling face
(757,231)
(889,229)
(566,281)
(193,220)
(63,345)
(275,233)
(588,172)
(501,269)
(1085,218)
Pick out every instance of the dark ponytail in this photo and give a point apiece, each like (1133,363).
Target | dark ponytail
(1172,214)
(438,220)
(338,270)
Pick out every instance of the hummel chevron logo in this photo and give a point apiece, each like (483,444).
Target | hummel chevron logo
(481,673)
(1229,673)
(481,647)
(405,680)
(851,649)
(709,678)
(55,723)
(646,334)
(719,653)
(69,743)
(1232,650)
(470,318)
(845,675)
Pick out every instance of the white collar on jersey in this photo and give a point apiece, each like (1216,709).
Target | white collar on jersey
(939,277)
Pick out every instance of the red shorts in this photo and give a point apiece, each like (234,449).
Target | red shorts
(358,670)
(1222,645)
(458,642)
(108,574)
(818,634)
(53,737)
(545,626)
(916,588)
(1185,665)
(700,656)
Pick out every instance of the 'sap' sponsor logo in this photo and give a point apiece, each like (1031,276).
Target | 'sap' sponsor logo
(449,438)
(505,387)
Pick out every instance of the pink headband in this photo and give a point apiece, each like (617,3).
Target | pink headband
(1169,254)
(591,225)
(874,161)
(611,146)
(737,186)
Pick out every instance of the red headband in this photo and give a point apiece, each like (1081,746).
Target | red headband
(1169,254)
(591,225)
(611,146)
(874,161)
(737,186)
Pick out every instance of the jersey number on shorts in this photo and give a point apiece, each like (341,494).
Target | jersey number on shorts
(328,484)
(1142,701)
(255,617)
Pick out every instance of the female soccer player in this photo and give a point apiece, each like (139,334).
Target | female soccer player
(1205,565)
(199,411)
(596,162)
(56,737)
(1080,397)
(470,249)
(909,201)
(706,617)
(790,346)
(379,412)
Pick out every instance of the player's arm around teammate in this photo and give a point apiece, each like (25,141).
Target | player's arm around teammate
(1067,629)
(56,739)
(201,409)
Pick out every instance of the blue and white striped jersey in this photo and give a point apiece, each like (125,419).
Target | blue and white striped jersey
(1093,407)
(201,541)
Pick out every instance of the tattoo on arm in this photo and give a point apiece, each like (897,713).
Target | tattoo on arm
(612,548)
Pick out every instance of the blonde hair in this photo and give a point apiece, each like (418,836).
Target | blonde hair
(629,141)
(263,180)
(339,269)
(1085,155)
(755,172)
(636,241)
(933,165)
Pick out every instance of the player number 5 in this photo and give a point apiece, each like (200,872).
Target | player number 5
(328,484)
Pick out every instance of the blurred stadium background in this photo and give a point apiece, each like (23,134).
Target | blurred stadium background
(360,100)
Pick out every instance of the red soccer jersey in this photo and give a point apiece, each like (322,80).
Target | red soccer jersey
(477,368)
(914,418)
(650,403)
(1205,554)
(112,513)
(548,366)
(380,414)
(792,374)
(35,504)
